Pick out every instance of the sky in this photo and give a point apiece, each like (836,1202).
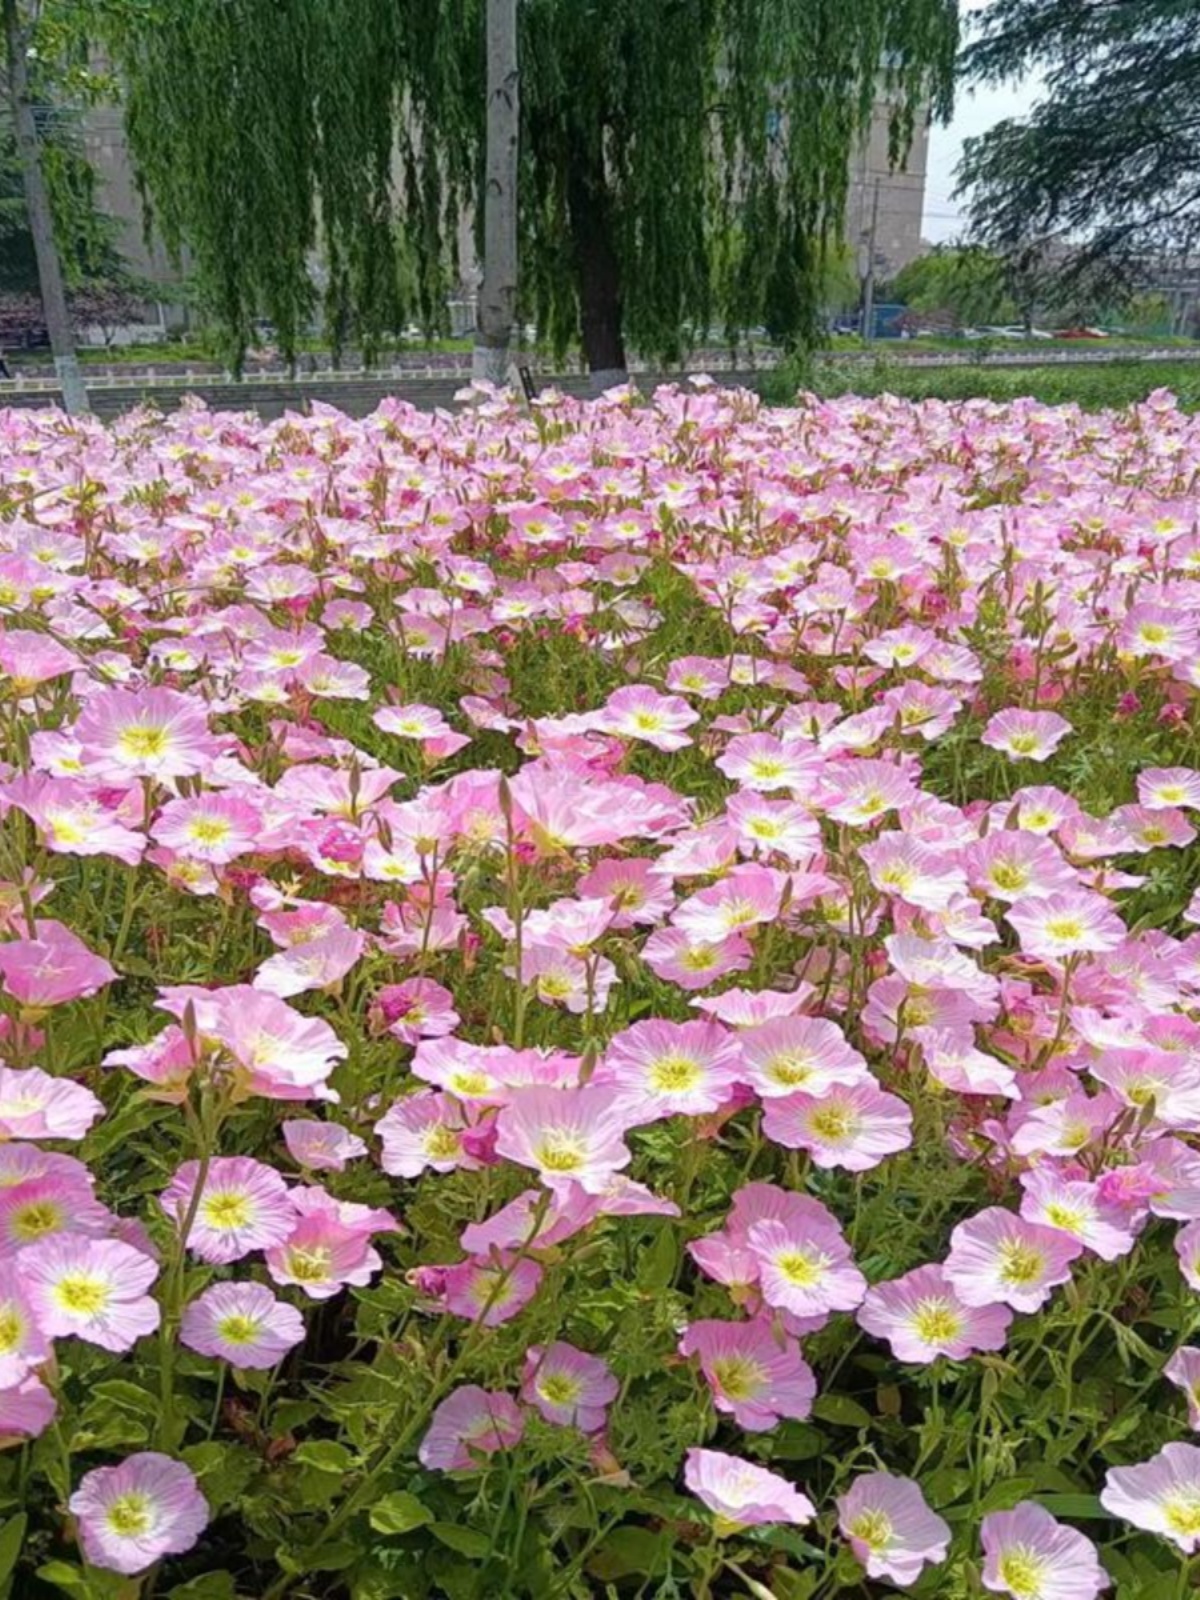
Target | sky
(975,111)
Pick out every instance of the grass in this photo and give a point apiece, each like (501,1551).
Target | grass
(1096,388)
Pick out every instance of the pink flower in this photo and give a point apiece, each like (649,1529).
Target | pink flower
(1075,1207)
(244,1206)
(629,889)
(423,1130)
(468,1423)
(93,1289)
(281,1054)
(568,1386)
(741,1494)
(27,1408)
(1070,923)
(762,763)
(903,867)
(1030,1555)
(128,1517)
(566,1135)
(664,1068)
(23,1344)
(805,1266)
(996,1256)
(1163,788)
(677,957)
(922,1317)
(148,733)
(756,1374)
(855,1125)
(491,1290)
(744,898)
(1183,1370)
(42,1207)
(1026,735)
(323,1253)
(317,964)
(1161,1495)
(639,712)
(321,1146)
(790,1053)
(52,969)
(72,819)
(891,1529)
(33,1105)
(216,828)
(417,1009)
(242,1323)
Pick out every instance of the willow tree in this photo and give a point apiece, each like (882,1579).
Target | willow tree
(684,163)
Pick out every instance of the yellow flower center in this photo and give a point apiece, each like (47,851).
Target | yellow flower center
(1022,1573)
(209,830)
(34,1220)
(1023,743)
(237,1328)
(935,1321)
(1020,1263)
(1183,1515)
(443,1143)
(309,1266)
(470,1083)
(739,1376)
(83,1295)
(834,1123)
(675,1074)
(227,1210)
(801,1267)
(142,743)
(698,959)
(1007,875)
(1072,1219)
(130,1514)
(873,1528)
(767,767)
(560,1388)
(12,1329)
(560,1152)
(790,1067)
(1066,928)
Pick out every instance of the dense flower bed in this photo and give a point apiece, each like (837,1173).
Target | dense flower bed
(600,1002)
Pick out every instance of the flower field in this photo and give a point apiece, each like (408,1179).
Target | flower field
(601,1001)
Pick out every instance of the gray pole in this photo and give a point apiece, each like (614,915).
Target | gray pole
(497,308)
(868,329)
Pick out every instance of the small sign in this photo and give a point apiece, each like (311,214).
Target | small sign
(527,384)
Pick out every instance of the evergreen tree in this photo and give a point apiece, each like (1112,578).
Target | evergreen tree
(1108,162)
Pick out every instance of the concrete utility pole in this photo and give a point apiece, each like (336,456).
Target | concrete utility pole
(41,219)
(868,327)
(497,307)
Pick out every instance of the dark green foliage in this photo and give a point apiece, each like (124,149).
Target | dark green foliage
(684,161)
(1110,157)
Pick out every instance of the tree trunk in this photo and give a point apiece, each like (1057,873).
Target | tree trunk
(597,269)
(41,221)
(498,292)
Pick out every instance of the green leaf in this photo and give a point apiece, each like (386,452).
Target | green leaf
(656,1269)
(1004,1496)
(629,1552)
(324,1454)
(209,1586)
(128,1396)
(840,1409)
(1084,1506)
(399,1513)
(12,1537)
(466,1541)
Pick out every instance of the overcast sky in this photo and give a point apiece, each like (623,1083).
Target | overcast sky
(975,111)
